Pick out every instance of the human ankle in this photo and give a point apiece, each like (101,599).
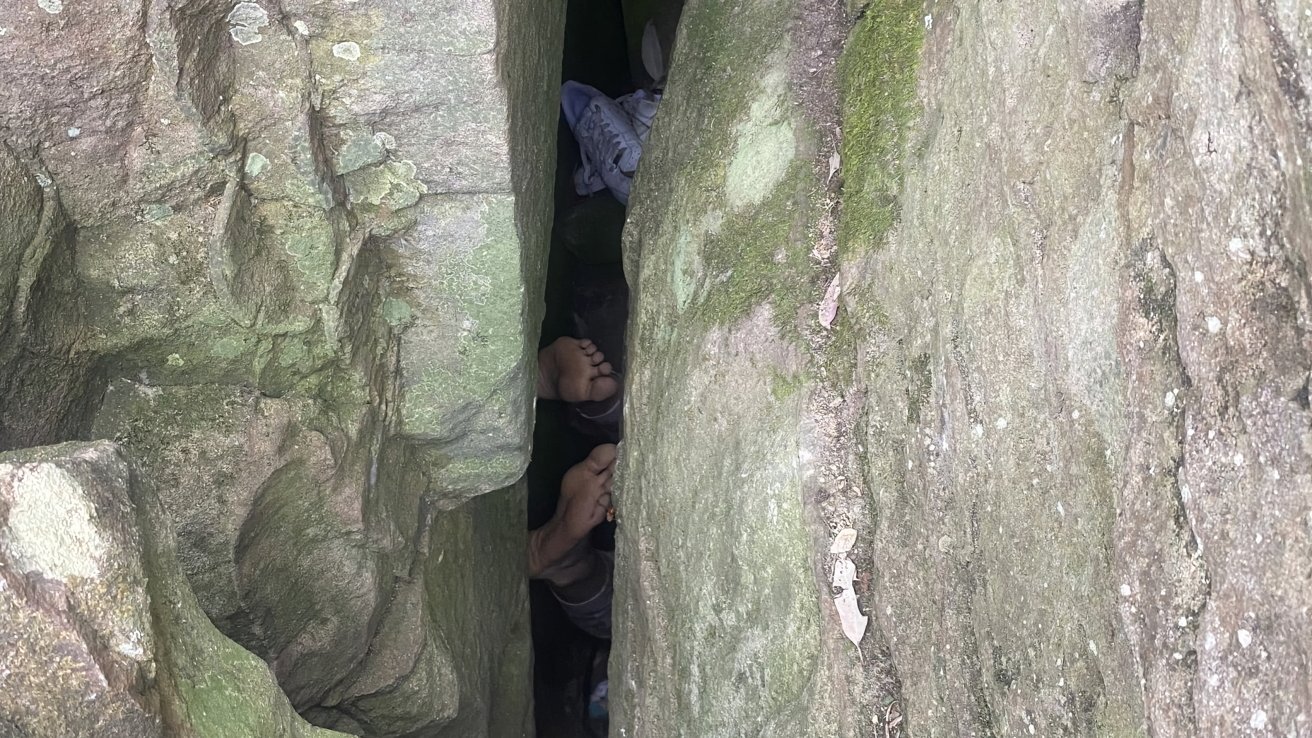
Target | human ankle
(549,548)
(587,577)
(579,566)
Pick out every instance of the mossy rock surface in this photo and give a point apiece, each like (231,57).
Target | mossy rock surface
(1060,401)
(114,642)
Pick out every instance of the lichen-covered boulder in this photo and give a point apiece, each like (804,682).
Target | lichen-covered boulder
(99,633)
(290,255)
(246,178)
(332,561)
(722,628)
(1024,311)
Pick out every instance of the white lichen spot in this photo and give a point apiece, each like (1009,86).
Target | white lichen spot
(977,430)
(245,22)
(1125,590)
(1075,415)
(1213,324)
(1060,509)
(1198,277)
(301,28)
(256,163)
(929,21)
(175,360)
(74,132)
(51,6)
(1169,399)
(1093,648)
(52,530)
(131,647)
(765,142)
(1245,637)
(1239,459)
(1000,424)
(1258,720)
(348,50)
(1210,641)
(1239,250)
(386,140)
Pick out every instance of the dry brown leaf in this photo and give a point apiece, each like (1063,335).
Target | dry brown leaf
(829,305)
(843,542)
(849,612)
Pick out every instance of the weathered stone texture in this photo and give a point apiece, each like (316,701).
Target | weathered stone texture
(1064,400)
(719,621)
(290,254)
(101,635)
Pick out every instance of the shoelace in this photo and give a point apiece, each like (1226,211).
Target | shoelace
(614,137)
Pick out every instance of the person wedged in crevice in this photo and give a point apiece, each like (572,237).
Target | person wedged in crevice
(588,301)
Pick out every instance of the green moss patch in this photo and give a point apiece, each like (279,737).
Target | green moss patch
(878,86)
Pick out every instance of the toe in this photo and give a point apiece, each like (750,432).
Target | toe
(602,388)
(597,358)
(605,368)
(602,457)
(587,346)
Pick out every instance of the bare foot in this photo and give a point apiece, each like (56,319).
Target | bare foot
(584,499)
(573,370)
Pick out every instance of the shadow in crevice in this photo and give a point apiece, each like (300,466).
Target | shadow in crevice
(595,53)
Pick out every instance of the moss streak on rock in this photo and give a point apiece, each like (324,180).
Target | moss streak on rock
(878,78)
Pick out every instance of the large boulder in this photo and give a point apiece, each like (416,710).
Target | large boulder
(1031,327)
(290,255)
(337,562)
(1085,415)
(100,633)
(721,627)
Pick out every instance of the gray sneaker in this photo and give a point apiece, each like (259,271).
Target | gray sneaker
(608,141)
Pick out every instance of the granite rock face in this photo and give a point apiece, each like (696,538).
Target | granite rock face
(1021,301)
(289,254)
(1017,293)
(101,634)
